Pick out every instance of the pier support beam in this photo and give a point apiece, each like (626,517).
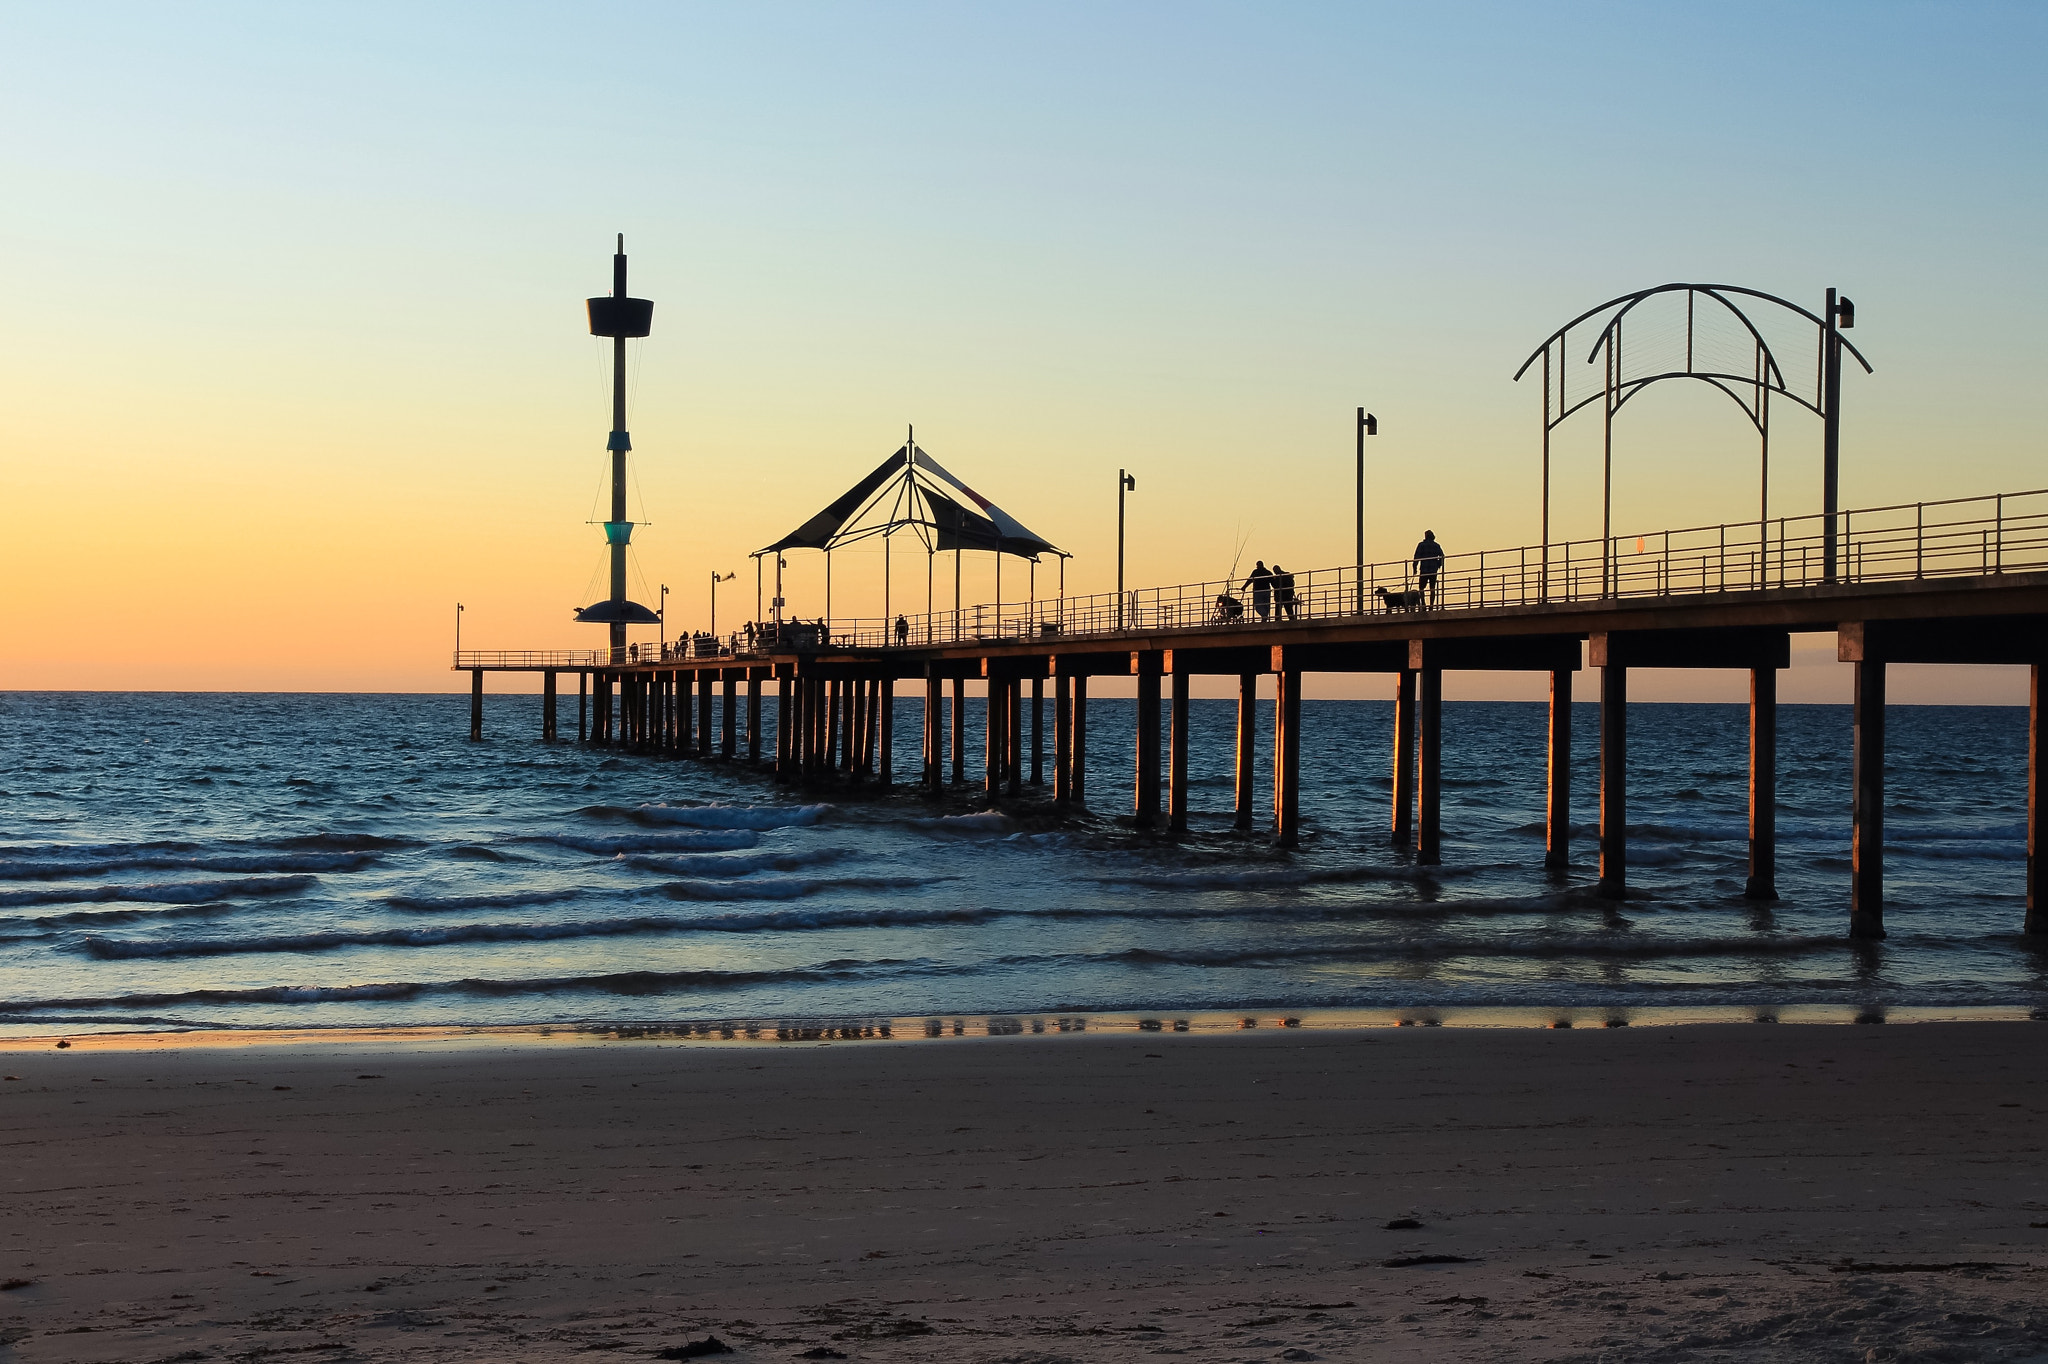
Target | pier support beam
(1763,785)
(547,706)
(959,730)
(1429,788)
(1177,758)
(729,723)
(1013,735)
(784,725)
(582,708)
(1038,731)
(1613,781)
(1287,758)
(1077,779)
(1062,739)
(1145,811)
(476,703)
(1404,758)
(1866,853)
(753,715)
(2037,805)
(887,766)
(1247,747)
(704,678)
(934,732)
(1557,823)
(995,743)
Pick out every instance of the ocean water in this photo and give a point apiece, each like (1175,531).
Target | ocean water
(284,861)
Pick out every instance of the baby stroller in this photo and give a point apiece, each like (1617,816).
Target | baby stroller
(1229,610)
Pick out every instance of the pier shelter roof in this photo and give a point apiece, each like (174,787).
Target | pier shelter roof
(911,491)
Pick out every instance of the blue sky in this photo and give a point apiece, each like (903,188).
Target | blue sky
(323,265)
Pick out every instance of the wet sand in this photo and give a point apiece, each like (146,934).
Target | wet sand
(1708,1192)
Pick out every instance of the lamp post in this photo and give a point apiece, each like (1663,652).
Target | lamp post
(1368,425)
(458,634)
(1838,315)
(663,614)
(715,581)
(1124,484)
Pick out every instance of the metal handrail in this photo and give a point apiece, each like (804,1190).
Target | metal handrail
(1877,544)
(1900,541)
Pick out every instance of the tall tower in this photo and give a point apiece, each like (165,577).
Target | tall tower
(619,317)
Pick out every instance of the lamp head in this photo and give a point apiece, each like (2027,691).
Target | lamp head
(1845,313)
(1130,483)
(1372,425)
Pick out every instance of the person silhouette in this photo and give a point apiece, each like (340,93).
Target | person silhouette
(1261,584)
(1283,593)
(902,630)
(1429,561)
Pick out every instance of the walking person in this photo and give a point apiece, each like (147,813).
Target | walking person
(1283,593)
(1429,561)
(1261,584)
(902,630)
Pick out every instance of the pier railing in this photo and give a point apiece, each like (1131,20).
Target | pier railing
(1957,537)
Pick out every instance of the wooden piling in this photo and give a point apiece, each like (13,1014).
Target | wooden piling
(994,746)
(1077,759)
(2037,803)
(1146,795)
(704,683)
(1613,782)
(1038,731)
(1429,760)
(1557,823)
(959,730)
(855,706)
(582,707)
(729,722)
(1762,883)
(547,706)
(1177,758)
(1013,735)
(934,731)
(1062,740)
(1247,747)
(785,728)
(476,703)
(1287,758)
(1404,758)
(885,770)
(1866,815)
(753,715)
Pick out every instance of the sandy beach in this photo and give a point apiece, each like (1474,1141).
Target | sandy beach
(1705,1192)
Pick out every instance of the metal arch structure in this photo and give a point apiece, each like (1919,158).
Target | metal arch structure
(1712,360)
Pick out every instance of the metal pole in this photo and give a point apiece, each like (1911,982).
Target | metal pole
(619,444)
(1121,482)
(1831,435)
(1607,479)
(1543,573)
(1358,555)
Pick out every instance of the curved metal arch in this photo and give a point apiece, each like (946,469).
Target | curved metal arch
(1712,380)
(1749,392)
(1712,290)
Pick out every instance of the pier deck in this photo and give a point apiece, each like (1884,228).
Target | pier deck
(1968,585)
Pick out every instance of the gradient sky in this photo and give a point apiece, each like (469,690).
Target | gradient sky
(294,356)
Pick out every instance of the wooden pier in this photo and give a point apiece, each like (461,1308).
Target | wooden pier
(834,703)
